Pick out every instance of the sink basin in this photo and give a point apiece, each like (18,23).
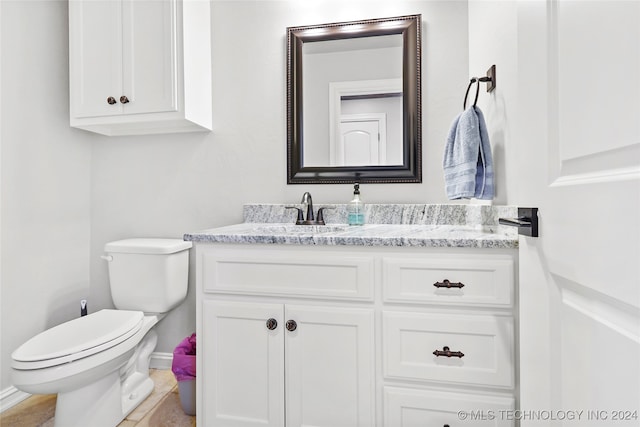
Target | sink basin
(297,229)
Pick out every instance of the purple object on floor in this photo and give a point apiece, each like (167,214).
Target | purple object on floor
(184,359)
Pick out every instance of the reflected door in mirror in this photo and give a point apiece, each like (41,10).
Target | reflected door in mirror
(361,142)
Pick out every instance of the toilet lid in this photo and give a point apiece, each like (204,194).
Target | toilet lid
(78,338)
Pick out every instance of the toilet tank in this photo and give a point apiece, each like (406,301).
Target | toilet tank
(149,275)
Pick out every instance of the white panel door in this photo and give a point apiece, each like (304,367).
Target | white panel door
(330,372)
(95,64)
(578,91)
(362,140)
(243,382)
(359,143)
(149,56)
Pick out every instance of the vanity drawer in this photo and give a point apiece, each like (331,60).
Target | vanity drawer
(481,280)
(421,408)
(287,272)
(486,342)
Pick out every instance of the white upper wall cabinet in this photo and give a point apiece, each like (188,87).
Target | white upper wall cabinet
(140,67)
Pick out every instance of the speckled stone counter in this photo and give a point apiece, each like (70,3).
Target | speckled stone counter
(474,226)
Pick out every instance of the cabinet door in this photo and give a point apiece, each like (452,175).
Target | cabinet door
(149,38)
(243,365)
(330,369)
(95,57)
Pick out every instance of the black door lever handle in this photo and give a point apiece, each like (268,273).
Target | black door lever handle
(527,221)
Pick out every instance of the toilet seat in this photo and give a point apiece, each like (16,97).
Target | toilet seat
(77,338)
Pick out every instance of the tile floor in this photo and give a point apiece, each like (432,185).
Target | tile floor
(161,409)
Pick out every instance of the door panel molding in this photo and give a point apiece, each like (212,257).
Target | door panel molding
(578,156)
(617,315)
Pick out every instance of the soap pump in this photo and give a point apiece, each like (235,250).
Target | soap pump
(355,209)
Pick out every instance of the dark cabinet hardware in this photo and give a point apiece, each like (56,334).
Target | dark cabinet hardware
(111,100)
(124,99)
(527,221)
(272,324)
(291,325)
(448,353)
(447,284)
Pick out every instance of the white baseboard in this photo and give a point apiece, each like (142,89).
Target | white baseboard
(11,396)
(161,360)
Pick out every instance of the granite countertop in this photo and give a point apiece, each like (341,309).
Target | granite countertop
(389,225)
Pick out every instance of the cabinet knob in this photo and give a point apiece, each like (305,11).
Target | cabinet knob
(272,324)
(124,99)
(111,100)
(291,325)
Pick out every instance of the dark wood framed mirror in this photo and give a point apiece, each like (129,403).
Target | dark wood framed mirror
(354,108)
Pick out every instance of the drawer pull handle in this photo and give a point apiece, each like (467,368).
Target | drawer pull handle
(291,325)
(447,284)
(272,324)
(448,353)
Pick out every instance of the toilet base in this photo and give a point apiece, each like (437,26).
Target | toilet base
(100,404)
(107,401)
(97,404)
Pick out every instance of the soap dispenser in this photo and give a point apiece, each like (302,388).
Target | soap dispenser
(355,209)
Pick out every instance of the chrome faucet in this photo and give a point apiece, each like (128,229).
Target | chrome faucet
(307,201)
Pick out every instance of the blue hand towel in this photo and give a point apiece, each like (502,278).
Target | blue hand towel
(468,164)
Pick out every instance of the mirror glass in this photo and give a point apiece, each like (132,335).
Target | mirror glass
(353,102)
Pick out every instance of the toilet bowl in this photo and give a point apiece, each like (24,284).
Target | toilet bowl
(99,364)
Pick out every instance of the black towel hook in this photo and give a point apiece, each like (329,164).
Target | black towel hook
(473,80)
(490,79)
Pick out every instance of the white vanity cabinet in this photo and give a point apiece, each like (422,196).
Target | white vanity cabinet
(383,336)
(140,67)
(305,357)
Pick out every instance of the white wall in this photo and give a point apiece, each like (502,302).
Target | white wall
(493,40)
(45,177)
(65,192)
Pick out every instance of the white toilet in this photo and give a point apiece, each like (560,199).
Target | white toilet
(99,364)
